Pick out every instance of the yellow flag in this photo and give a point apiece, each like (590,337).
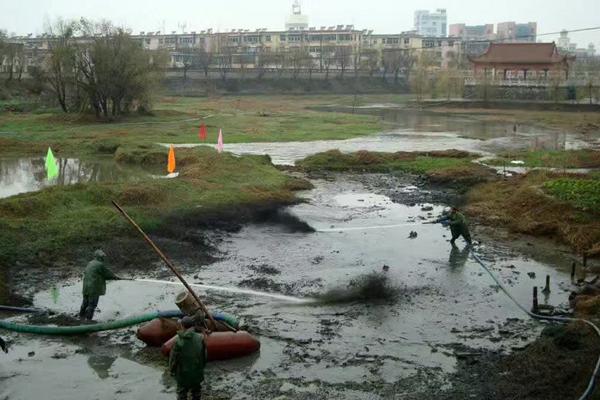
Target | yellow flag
(171,162)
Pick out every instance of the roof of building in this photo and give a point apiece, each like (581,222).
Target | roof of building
(520,53)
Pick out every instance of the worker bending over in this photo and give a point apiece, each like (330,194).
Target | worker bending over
(457,223)
(94,284)
(187,361)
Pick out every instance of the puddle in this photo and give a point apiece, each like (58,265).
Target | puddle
(421,131)
(441,298)
(29,174)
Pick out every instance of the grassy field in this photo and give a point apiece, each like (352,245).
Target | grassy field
(550,158)
(177,120)
(540,203)
(441,166)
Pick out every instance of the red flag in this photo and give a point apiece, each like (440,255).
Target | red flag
(202,132)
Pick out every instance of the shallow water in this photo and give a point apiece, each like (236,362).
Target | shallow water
(421,131)
(29,174)
(443,298)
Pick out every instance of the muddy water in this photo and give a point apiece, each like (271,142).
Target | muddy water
(344,350)
(421,131)
(29,174)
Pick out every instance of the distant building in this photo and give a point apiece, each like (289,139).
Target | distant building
(472,32)
(431,24)
(522,61)
(296,20)
(513,32)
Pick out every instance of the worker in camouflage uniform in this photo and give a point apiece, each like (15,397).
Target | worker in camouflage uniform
(94,284)
(187,361)
(457,223)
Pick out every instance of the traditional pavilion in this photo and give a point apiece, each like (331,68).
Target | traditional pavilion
(522,61)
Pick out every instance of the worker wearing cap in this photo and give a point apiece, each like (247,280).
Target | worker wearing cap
(94,284)
(457,223)
(187,361)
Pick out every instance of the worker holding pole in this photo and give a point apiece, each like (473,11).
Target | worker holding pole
(94,284)
(458,225)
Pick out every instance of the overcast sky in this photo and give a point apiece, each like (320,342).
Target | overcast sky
(383,16)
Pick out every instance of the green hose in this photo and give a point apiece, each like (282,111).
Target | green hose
(83,329)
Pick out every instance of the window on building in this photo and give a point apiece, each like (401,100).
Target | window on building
(406,41)
(268,38)
(160,41)
(282,38)
(314,49)
(170,40)
(234,39)
(344,38)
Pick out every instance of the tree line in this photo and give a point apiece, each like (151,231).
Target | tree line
(330,59)
(97,67)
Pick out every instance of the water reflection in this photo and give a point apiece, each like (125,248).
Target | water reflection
(101,365)
(29,174)
(458,258)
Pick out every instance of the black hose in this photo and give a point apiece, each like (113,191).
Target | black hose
(590,386)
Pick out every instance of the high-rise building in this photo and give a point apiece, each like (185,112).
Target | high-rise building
(431,24)
(296,20)
(472,32)
(513,32)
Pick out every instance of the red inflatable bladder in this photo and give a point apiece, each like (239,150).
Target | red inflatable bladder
(224,345)
(158,331)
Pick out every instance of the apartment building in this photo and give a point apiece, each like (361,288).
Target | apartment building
(433,24)
(244,45)
(515,32)
(472,32)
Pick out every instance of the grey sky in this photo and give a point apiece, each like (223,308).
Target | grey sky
(385,16)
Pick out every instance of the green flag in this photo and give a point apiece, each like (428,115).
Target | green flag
(51,165)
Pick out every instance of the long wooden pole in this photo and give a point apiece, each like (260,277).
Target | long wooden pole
(169,264)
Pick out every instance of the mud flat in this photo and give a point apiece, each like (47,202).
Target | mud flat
(438,321)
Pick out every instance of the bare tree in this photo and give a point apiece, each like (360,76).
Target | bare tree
(224,61)
(297,61)
(343,58)
(309,64)
(280,60)
(205,61)
(370,60)
(328,59)
(59,65)
(263,62)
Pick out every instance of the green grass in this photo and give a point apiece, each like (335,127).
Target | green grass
(364,161)
(61,219)
(551,158)
(581,193)
(176,120)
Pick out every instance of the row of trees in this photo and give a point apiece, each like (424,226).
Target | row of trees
(342,59)
(107,72)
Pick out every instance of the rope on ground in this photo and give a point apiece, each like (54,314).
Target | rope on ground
(590,386)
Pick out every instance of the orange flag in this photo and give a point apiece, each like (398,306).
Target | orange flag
(171,162)
(202,132)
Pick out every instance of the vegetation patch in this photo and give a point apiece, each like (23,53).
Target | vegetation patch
(581,193)
(524,205)
(551,158)
(440,166)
